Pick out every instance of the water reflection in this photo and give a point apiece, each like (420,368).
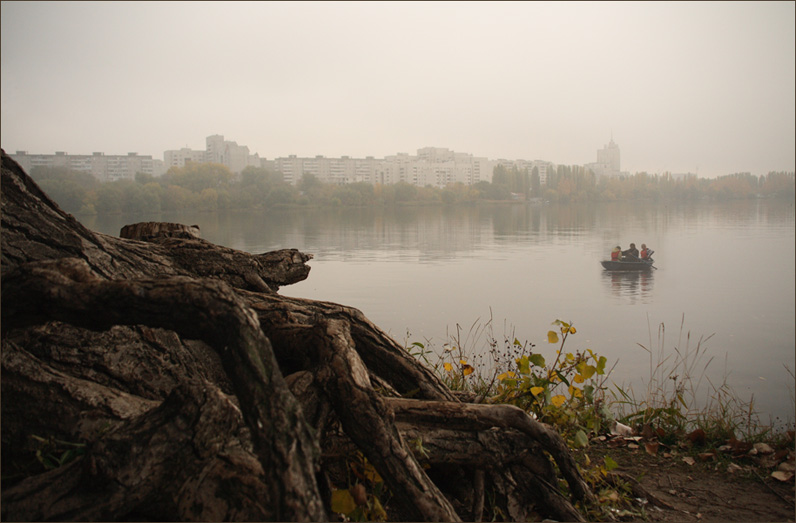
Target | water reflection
(630,286)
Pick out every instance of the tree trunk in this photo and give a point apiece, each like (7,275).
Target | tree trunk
(143,378)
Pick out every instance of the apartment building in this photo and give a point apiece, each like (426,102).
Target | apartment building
(104,167)
(433,166)
(235,157)
(608,160)
(179,157)
(217,150)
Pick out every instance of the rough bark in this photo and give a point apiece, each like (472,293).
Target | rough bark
(161,356)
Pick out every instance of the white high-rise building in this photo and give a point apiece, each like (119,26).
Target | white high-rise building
(235,157)
(608,161)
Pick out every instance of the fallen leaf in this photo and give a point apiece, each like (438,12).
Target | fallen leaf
(706,456)
(782,476)
(787,466)
(632,446)
(689,460)
(764,448)
(739,447)
(732,468)
(651,448)
(697,437)
(647,431)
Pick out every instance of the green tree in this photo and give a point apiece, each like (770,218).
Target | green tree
(405,192)
(109,199)
(197,177)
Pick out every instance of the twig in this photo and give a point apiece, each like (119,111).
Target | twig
(769,487)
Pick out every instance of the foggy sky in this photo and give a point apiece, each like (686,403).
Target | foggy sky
(681,86)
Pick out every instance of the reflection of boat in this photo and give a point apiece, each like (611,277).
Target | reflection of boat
(640,265)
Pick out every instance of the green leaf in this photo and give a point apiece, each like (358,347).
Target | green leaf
(523,365)
(586,370)
(418,344)
(517,342)
(552,337)
(610,464)
(537,360)
(581,440)
(601,365)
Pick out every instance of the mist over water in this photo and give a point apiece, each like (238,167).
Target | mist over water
(725,271)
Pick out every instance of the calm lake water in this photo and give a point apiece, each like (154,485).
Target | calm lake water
(725,271)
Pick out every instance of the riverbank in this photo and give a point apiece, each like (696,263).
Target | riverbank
(653,458)
(675,484)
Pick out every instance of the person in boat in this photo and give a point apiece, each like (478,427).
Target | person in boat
(631,254)
(645,253)
(616,254)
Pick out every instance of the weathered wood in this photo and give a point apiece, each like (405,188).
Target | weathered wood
(67,290)
(284,317)
(181,460)
(147,230)
(471,416)
(369,423)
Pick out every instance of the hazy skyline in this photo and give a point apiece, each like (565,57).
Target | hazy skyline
(681,86)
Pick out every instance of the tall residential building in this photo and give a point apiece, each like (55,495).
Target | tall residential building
(608,163)
(104,167)
(217,150)
(235,157)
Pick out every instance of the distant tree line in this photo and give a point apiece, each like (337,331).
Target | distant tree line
(212,187)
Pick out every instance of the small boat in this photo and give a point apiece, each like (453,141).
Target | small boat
(640,265)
